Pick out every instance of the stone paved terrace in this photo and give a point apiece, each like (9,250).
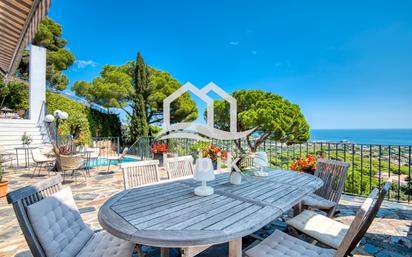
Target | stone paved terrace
(389,235)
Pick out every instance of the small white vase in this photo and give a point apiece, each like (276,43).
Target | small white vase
(235,178)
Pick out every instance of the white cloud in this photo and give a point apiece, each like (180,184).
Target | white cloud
(84,63)
(233,43)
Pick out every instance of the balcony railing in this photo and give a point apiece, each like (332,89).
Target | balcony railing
(371,165)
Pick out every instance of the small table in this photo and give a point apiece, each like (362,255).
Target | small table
(169,215)
(26,155)
(87,155)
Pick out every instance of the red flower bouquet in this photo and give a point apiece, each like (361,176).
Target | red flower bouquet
(159,148)
(214,153)
(307,164)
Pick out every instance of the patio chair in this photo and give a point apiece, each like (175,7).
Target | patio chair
(52,225)
(117,158)
(41,161)
(282,244)
(140,173)
(7,156)
(178,167)
(72,163)
(333,173)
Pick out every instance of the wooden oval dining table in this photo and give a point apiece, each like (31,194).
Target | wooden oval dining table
(170,215)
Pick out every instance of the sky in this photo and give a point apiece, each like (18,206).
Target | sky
(347,64)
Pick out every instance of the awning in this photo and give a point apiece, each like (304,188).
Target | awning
(19,20)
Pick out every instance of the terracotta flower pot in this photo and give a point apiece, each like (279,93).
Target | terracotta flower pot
(4,185)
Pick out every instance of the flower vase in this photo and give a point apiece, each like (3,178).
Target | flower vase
(235,178)
(159,156)
(214,164)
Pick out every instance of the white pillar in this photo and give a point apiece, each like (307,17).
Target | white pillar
(37,95)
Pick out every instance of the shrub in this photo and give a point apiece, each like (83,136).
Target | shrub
(83,122)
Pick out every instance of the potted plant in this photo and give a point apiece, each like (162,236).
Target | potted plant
(307,165)
(4,184)
(26,139)
(236,172)
(158,150)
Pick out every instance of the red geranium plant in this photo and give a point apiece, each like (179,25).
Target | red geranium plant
(159,148)
(307,164)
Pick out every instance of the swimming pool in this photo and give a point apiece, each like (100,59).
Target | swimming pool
(102,161)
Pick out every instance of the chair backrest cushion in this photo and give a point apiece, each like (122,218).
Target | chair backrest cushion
(333,175)
(179,166)
(37,155)
(46,149)
(58,224)
(140,173)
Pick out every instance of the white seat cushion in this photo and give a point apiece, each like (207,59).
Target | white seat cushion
(282,244)
(318,202)
(58,225)
(320,227)
(103,244)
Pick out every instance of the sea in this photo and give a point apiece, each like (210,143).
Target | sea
(364,136)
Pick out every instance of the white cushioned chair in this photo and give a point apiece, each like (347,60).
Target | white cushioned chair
(333,174)
(281,244)
(52,225)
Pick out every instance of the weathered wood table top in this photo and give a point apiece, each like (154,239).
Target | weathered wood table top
(170,215)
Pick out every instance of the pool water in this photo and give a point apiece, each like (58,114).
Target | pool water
(101,161)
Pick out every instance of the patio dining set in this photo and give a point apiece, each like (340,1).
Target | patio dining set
(170,214)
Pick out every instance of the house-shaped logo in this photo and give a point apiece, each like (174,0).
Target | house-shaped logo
(201,131)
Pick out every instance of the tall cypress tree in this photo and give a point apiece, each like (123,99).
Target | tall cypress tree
(138,122)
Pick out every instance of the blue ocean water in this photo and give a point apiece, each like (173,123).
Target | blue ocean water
(364,136)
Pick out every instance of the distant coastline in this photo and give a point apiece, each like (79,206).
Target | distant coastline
(364,136)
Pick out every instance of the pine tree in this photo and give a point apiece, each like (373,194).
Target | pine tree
(138,122)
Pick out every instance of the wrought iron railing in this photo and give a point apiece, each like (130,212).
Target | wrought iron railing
(371,164)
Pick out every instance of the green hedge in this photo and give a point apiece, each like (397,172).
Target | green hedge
(83,122)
